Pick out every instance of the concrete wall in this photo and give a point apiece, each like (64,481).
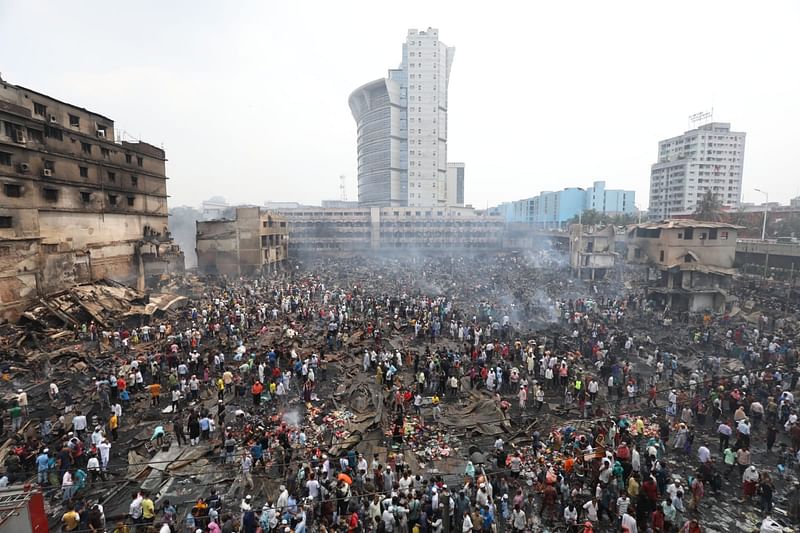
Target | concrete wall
(241,246)
(720,251)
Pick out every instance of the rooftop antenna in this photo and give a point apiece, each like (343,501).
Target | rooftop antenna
(698,119)
(342,188)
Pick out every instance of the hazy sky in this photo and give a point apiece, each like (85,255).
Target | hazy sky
(249,99)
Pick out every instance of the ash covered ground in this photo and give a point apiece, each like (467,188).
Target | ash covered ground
(413,393)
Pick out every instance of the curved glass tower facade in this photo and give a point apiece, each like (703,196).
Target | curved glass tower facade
(376,109)
(402,128)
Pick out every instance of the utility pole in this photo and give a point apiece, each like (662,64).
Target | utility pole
(764,224)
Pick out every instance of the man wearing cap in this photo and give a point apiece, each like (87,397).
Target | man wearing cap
(42,465)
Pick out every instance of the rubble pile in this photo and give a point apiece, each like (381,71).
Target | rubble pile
(500,370)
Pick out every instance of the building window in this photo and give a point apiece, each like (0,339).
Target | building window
(39,109)
(12,190)
(134,181)
(105,152)
(128,158)
(140,161)
(86,197)
(53,133)
(84,172)
(688,234)
(712,233)
(75,121)
(36,135)
(723,235)
(50,165)
(5,159)
(50,195)
(661,256)
(112,177)
(5,222)
(86,147)
(112,199)
(131,201)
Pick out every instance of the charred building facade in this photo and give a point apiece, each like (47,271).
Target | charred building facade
(252,242)
(75,205)
(591,250)
(690,263)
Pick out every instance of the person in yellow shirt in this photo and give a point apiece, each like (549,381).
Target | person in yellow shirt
(113,424)
(70,520)
(155,393)
(633,486)
(148,508)
(640,426)
(220,389)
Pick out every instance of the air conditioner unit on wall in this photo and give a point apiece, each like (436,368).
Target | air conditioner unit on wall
(23,168)
(101,134)
(47,173)
(53,119)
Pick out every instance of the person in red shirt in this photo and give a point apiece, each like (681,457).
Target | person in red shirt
(256,390)
(658,520)
(650,489)
(352,524)
(652,393)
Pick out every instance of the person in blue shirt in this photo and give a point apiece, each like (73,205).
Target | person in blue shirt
(80,479)
(487,517)
(42,466)
(257,452)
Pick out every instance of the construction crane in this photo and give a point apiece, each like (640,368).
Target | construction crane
(342,188)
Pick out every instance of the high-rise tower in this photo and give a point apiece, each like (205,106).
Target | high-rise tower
(402,127)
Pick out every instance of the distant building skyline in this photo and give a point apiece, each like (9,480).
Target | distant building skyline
(402,127)
(709,157)
(555,208)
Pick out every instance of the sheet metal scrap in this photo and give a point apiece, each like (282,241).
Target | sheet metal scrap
(104,302)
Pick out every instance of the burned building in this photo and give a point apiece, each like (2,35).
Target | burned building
(392,228)
(591,250)
(252,242)
(690,263)
(76,205)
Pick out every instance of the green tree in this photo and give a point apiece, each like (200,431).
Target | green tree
(709,208)
(592,217)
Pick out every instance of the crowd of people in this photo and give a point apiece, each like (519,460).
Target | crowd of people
(638,421)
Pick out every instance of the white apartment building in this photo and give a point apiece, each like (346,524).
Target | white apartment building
(709,157)
(402,127)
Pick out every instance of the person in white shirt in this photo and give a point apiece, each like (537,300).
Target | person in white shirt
(591,508)
(466,525)
(79,424)
(93,466)
(628,523)
(703,454)
(105,451)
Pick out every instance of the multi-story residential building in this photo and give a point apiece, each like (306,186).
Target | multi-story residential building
(75,205)
(555,209)
(251,243)
(402,128)
(708,158)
